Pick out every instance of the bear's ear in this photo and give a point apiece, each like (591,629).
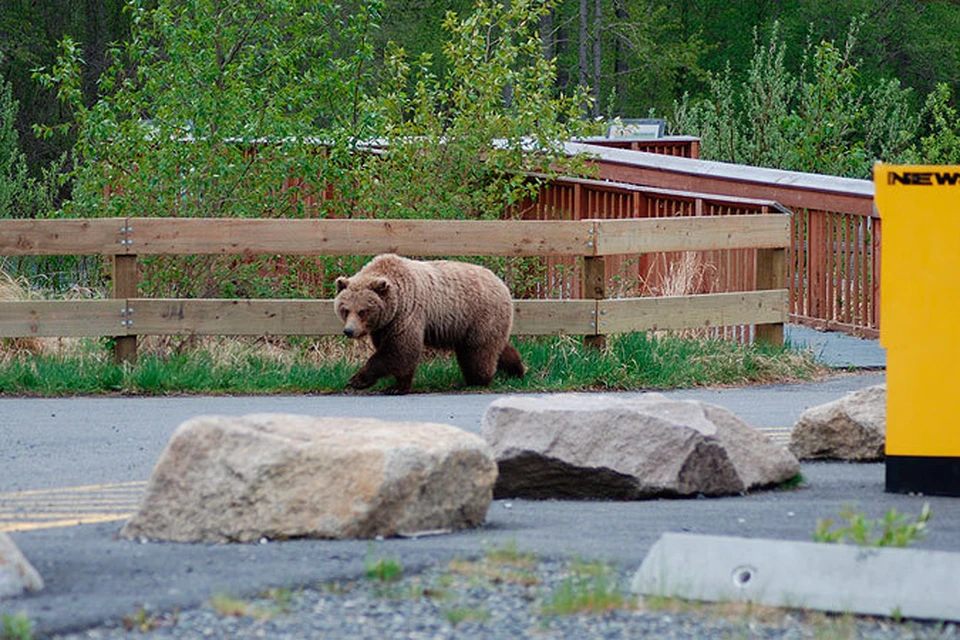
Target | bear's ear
(380,286)
(342,283)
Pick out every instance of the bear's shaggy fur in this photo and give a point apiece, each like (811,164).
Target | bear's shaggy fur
(404,305)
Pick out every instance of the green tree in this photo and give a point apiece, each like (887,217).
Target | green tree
(221,108)
(14,181)
(29,32)
(212,105)
(21,194)
(269,107)
(820,119)
(630,55)
(462,144)
(912,41)
(942,144)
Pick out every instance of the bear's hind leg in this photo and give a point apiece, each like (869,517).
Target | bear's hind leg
(477,365)
(510,363)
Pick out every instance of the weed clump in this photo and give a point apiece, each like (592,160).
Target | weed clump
(892,530)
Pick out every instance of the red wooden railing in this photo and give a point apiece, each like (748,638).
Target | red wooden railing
(660,274)
(834,260)
(679,146)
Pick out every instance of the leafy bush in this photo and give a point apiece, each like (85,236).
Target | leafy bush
(282,109)
(818,120)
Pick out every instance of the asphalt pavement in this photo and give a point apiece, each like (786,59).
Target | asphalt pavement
(94,448)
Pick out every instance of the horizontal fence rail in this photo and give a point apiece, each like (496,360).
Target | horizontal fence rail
(592,314)
(195,236)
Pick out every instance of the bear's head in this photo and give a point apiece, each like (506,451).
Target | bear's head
(364,305)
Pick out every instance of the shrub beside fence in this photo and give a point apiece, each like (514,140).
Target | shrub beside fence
(591,241)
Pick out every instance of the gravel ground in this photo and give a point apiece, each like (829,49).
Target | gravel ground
(498,596)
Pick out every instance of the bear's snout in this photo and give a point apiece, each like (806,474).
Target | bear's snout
(352,328)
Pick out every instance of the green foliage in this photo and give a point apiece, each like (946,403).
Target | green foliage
(381,569)
(825,125)
(15,627)
(14,182)
(209,107)
(795,482)
(895,529)
(143,621)
(253,109)
(820,120)
(942,145)
(645,54)
(24,196)
(21,195)
(459,145)
(591,588)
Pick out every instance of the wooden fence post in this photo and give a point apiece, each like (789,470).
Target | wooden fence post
(771,274)
(125,281)
(594,287)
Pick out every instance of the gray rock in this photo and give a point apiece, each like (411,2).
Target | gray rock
(852,428)
(17,575)
(603,446)
(279,476)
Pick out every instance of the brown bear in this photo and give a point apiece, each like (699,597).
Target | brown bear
(404,305)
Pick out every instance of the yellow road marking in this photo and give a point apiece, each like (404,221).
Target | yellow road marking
(69,506)
(135,484)
(32,526)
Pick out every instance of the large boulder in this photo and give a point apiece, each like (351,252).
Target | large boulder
(17,575)
(575,445)
(277,476)
(852,428)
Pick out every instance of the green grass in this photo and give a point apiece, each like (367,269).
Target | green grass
(16,627)
(458,615)
(895,529)
(631,361)
(590,588)
(382,569)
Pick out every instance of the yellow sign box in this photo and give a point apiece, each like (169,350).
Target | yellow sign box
(920,324)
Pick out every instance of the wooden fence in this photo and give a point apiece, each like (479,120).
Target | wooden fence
(651,273)
(593,315)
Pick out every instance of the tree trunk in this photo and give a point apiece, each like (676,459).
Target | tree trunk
(584,62)
(597,68)
(619,54)
(547,35)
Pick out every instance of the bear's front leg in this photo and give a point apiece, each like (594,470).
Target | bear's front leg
(388,360)
(364,378)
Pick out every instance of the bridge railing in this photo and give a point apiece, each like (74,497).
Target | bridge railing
(834,257)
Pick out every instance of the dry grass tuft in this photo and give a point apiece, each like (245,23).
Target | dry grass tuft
(230,350)
(18,289)
(679,274)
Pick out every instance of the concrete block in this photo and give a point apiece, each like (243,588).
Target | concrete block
(839,578)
